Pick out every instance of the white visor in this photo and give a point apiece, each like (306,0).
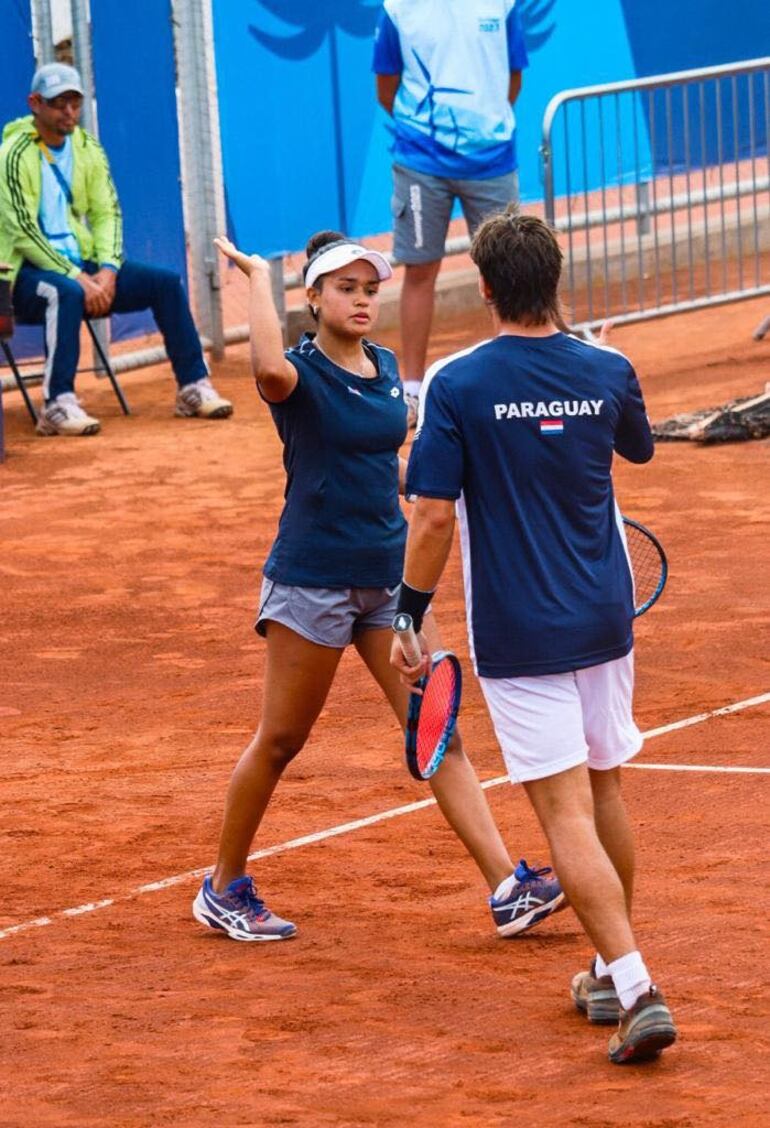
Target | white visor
(343,255)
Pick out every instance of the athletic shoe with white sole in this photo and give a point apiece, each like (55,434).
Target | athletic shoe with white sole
(239,912)
(596,997)
(532,899)
(202,399)
(65,416)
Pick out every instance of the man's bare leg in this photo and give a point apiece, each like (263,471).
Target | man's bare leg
(613,827)
(564,805)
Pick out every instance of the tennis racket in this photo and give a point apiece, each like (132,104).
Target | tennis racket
(432,715)
(649,566)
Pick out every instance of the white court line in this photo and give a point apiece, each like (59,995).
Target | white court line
(697,768)
(395,812)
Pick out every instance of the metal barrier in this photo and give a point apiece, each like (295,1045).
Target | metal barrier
(662,188)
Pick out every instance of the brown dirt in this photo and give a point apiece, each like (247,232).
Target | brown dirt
(131,679)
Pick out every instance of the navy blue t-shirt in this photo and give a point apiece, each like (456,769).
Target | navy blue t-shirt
(341,524)
(522,431)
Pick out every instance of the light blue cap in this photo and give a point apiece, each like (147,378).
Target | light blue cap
(53,79)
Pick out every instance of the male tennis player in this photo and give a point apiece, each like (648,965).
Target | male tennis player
(520,432)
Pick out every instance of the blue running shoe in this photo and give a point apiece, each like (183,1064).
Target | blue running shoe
(532,899)
(239,912)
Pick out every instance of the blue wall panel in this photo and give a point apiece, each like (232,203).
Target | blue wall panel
(297,99)
(296,107)
(700,33)
(134,77)
(665,36)
(297,104)
(17,64)
(17,60)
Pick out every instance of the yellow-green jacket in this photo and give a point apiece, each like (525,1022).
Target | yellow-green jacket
(94,212)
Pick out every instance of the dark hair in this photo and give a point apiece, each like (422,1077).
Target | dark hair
(319,243)
(316,245)
(520,261)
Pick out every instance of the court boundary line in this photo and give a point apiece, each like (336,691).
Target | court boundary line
(392,813)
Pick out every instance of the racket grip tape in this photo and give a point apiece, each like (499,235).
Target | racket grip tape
(404,628)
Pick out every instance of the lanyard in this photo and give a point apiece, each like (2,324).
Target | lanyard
(56,171)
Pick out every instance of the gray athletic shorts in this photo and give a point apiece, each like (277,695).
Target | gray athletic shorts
(422,208)
(327,616)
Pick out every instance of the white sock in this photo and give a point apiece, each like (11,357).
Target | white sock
(630,977)
(412,387)
(600,967)
(505,888)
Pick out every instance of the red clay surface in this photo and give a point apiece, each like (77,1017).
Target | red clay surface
(130,681)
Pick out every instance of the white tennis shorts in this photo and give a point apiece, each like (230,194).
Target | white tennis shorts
(548,724)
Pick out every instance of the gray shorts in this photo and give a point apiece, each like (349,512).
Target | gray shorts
(327,616)
(422,208)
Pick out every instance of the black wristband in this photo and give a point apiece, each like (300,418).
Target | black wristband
(413,602)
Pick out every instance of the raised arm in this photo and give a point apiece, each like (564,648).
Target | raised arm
(275,375)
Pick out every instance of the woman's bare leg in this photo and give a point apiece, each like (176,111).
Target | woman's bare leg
(455,784)
(298,676)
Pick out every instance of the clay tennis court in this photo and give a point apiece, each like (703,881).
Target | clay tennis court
(131,678)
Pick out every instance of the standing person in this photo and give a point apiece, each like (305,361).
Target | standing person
(61,231)
(332,574)
(449,73)
(520,431)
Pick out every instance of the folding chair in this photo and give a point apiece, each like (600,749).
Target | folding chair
(20,380)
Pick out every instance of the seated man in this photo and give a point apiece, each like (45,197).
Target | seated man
(61,232)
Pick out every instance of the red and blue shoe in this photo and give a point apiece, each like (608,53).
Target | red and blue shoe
(534,897)
(239,912)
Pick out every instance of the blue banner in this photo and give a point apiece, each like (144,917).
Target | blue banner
(305,145)
(16,70)
(18,60)
(136,107)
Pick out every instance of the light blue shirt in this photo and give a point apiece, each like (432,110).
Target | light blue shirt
(455,57)
(53,216)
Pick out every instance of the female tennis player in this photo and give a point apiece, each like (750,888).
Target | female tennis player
(332,575)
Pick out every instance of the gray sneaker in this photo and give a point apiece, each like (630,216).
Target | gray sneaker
(202,399)
(65,416)
(239,912)
(644,1030)
(596,997)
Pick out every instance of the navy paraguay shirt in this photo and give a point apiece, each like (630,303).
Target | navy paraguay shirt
(522,430)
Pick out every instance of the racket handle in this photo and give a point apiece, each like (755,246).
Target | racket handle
(402,625)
